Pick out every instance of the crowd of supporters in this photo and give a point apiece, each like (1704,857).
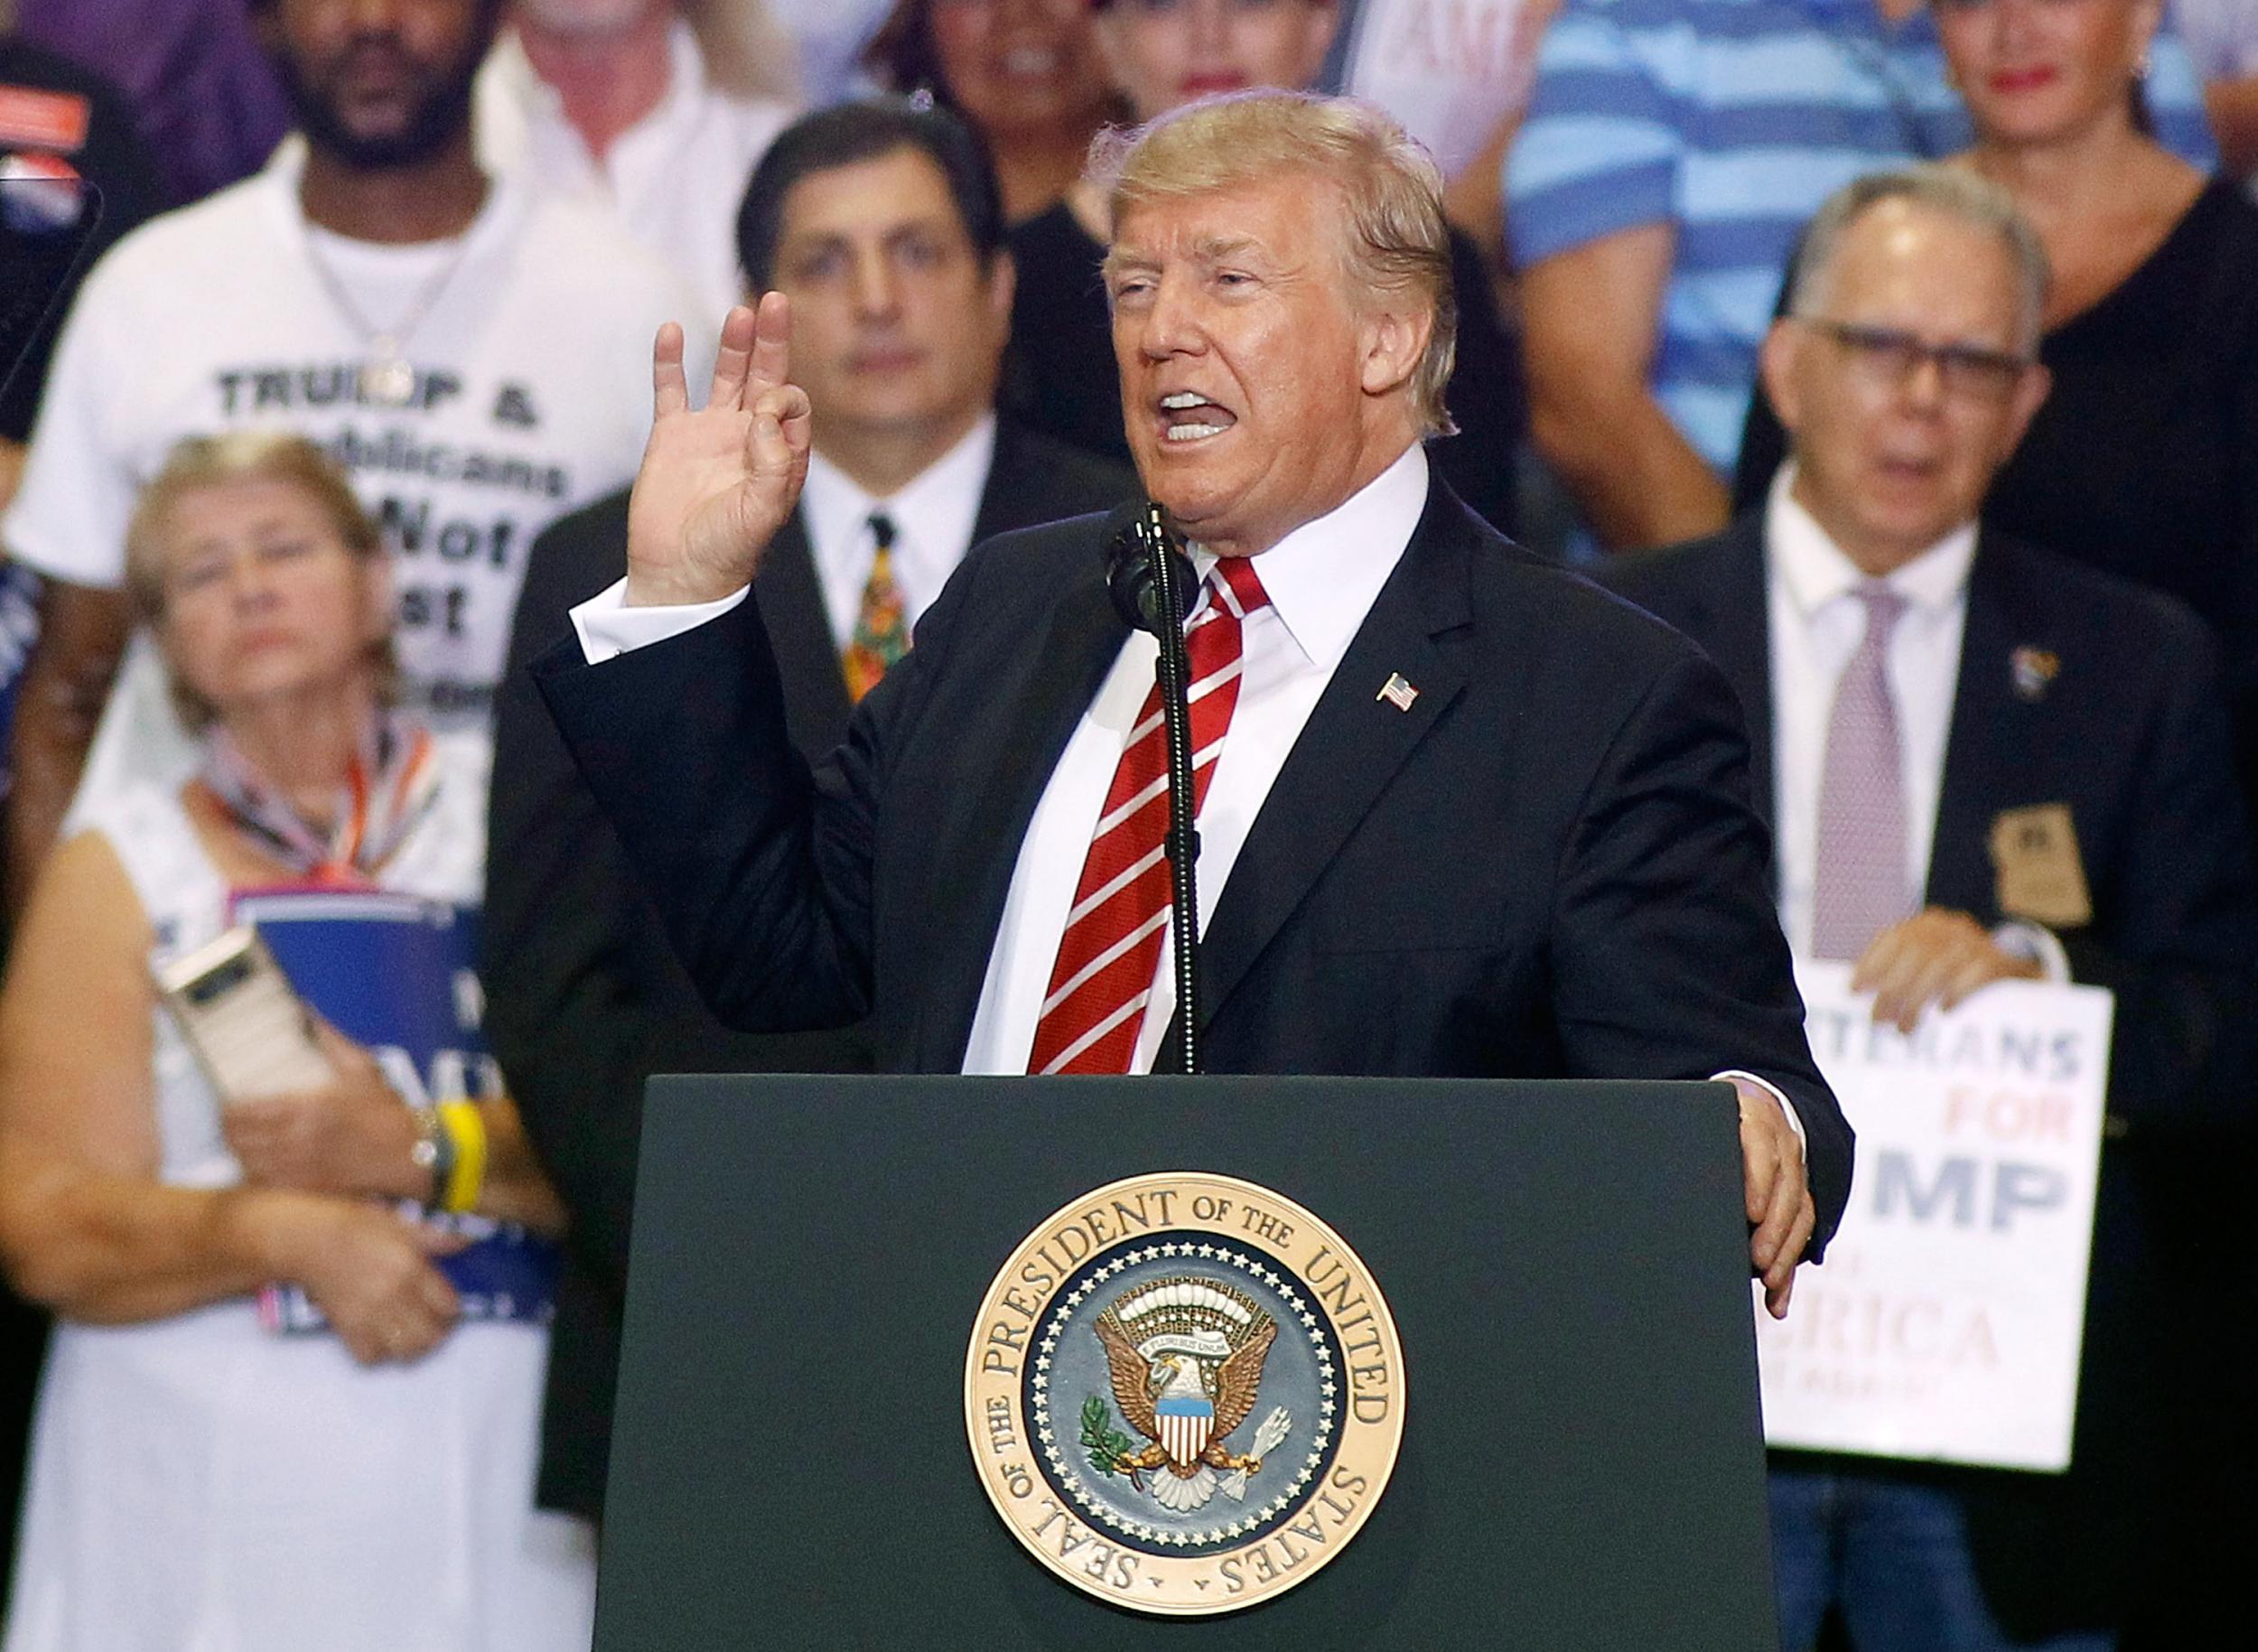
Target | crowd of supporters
(332,424)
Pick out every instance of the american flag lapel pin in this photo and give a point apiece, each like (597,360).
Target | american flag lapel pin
(1396,692)
(2033,669)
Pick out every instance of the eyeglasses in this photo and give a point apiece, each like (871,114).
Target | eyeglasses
(1890,357)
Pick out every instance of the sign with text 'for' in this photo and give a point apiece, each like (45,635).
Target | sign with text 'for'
(1946,1322)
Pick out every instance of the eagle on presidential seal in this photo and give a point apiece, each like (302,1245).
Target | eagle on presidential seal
(1185,1356)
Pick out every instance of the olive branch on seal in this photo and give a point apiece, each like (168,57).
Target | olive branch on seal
(1107,1446)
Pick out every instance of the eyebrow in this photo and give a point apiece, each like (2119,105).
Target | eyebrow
(937,224)
(1208,249)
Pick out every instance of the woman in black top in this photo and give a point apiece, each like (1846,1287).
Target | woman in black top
(1164,54)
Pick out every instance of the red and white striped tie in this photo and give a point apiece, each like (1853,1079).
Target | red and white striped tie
(1095,1005)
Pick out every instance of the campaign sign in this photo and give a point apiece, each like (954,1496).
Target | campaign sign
(396,975)
(1946,1322)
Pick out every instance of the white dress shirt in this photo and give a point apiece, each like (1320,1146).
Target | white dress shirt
(674,178)
(1321,579)
(1816,624)
(932,516)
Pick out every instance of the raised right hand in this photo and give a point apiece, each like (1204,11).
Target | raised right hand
(369,1270)
(716,484)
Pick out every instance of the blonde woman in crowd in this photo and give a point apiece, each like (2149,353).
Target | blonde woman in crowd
(197,1480)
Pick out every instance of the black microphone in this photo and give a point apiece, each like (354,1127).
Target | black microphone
(1138,547)
(1153,589)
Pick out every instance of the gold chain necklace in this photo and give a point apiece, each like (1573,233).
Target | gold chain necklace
(386,380)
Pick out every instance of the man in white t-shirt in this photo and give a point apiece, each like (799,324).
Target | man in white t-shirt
(608,101)
(473,353)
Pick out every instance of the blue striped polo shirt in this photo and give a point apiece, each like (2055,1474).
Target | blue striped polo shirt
(1733,119)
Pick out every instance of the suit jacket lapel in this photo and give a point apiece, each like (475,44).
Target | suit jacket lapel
(1352,745)
(1992,730)
(1011,759)
(1737,630)
(800,630)
(994,514)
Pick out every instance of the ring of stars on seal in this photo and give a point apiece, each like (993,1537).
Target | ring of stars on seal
(1248,1521)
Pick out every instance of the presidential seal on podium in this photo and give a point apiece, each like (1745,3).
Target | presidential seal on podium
(1184,1393)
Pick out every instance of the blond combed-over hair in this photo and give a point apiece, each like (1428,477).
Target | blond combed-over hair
(198,462)
(1395,240)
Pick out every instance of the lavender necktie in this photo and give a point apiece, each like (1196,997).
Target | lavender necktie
(1861,884)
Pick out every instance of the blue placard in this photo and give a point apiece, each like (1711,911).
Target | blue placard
(394,974)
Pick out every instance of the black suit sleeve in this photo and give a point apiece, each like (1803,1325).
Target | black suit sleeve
(1668,960)
(759,867)
(2179,939)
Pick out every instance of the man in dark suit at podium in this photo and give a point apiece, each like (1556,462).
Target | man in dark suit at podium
(883,224)
(1986,762)
(1470,816)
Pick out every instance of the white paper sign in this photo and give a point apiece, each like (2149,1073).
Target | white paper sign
(1449,70)
(1947,1320)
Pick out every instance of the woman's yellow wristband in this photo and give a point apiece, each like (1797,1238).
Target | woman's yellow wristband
(466,1177)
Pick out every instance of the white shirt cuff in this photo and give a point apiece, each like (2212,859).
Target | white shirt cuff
(608,628)
(2036,943)
(1773,1090)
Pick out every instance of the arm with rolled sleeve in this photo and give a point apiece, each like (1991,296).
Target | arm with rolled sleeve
(1592,190)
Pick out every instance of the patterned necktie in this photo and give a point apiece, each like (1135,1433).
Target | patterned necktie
(881,630)
(1095,1005)
(1862,885)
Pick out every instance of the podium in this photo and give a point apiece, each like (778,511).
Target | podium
(1582,1462)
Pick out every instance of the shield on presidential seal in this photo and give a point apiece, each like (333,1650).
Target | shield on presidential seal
(1185,1424)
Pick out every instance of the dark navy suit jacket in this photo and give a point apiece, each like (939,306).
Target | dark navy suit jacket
(1548,865)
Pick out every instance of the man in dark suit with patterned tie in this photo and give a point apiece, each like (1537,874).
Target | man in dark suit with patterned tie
(1987,763)
(1461,814)
(881,222)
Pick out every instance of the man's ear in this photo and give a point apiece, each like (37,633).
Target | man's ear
(1394,341)
(1775,369)
(2030,395)
(1003,283)
(2147,16)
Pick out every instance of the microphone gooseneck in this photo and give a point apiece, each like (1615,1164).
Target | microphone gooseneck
(1153,589)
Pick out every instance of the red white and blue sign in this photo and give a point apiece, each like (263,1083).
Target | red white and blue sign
(395,974)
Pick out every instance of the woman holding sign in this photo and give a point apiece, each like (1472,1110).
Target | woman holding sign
(367,1483)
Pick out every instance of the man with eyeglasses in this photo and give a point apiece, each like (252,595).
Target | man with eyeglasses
(1911,684)
(1672,152)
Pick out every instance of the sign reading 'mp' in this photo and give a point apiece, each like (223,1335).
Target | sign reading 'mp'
(1947,1319)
